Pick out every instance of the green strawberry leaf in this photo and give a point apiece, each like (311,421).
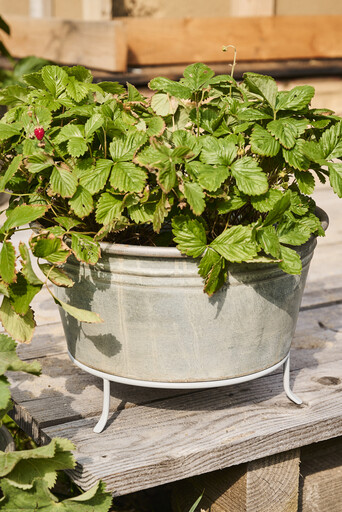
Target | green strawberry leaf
(9,360)
(189,235)
(127,177)
(95,179)
(236,244)
(297,99)
(108,208)
(296,157)
(21,293)
(7,262)
(263,143)
(291,262)
(170,87)
(19,327)
(195,197)
(85,248)
(250,178)
(63,182)
(82,202)
(284,131)
(264,86)
(56,275)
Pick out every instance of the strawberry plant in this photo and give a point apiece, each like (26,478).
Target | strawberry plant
(222,170)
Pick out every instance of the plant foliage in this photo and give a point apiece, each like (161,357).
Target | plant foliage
(221,170)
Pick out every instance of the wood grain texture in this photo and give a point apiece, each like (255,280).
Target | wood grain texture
(95,44)
(173,439)
(222,490)
(272,483)
(171,41)
(97,9)
(321,477)
(267,484)
(248,8)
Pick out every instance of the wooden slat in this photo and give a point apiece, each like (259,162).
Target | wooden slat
(95,44)
(171,41)
(321,477)
(222,490)
(97,10)
(251,487)
(273,481)
(180,437)
(248,8)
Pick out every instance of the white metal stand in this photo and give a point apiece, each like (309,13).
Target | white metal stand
(107,377)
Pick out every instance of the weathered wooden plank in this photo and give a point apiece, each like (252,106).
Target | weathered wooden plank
(97,9)
(321,477)
(171,41)
(95,44)
(248,8)
(173,439)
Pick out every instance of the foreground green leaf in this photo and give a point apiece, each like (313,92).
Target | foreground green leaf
(264,86)
(85,248)
(82,315)
(82,202)
(108,208)
(23,214)
(23,467)
(291,262)
(10,172)
(195,197)
(9,360)
(250,178)
(189,235)
(263,143)
(284,131)
(21,328)
(235,244)
(21,294)
(7,262)
(40,498)
(56,275)
(63,182)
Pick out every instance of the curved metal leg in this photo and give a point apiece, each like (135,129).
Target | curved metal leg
(288,391)
(100,425)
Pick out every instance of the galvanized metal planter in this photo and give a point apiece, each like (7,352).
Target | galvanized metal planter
(160,326)
(161,330)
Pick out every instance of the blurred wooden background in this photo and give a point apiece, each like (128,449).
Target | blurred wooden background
(116,35)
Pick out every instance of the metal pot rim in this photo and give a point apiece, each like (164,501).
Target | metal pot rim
(145,251)
(171,252)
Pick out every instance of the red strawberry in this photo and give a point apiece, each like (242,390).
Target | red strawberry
(39,132)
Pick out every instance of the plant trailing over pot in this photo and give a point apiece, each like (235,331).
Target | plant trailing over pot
(221,170)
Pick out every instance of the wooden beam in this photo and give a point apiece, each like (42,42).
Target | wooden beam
(249,8)
(95,44)
(271,483)
(321,477)
(97,10)
(40,8)
(154,41)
